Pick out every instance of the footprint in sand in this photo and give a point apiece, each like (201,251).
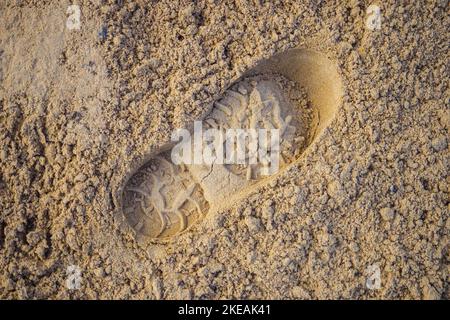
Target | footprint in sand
(297,92)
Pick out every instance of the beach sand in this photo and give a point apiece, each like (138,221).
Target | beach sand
(89,98)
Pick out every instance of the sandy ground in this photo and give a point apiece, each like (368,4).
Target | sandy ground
(82,110)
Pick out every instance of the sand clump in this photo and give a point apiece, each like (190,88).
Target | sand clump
(83,110)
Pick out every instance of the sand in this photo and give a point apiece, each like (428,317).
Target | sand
(359,210)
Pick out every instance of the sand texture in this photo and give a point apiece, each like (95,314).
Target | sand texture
(87,182)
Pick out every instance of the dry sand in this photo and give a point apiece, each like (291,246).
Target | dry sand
(82,111)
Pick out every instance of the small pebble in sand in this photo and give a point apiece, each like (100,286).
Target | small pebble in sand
(387,213)
(439,143)
(253,224)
